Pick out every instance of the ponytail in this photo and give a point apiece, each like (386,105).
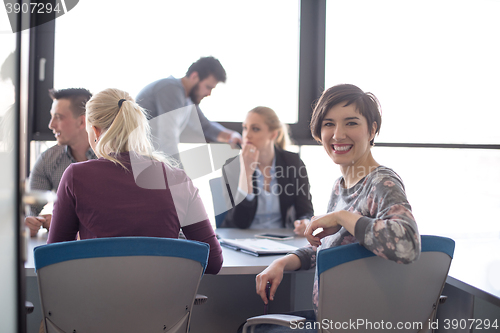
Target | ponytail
(124,126)
(283,139)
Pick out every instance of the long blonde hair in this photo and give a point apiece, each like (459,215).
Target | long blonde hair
(274,123)
(124,126)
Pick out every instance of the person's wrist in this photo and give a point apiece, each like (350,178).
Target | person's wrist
(341,217)
(248,174)
(334,217)
(281,262)
(233,136)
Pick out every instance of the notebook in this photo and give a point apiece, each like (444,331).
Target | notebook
(257,247)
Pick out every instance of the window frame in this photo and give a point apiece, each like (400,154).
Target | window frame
(312,45)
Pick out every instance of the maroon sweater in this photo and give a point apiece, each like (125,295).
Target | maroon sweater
(98,198)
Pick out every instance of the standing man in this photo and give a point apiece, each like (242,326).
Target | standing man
(182,95)
(68,125)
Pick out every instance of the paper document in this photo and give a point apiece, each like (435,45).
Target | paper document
(258,247)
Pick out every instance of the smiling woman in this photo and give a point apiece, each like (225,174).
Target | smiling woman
(346,137)
(345,122)
(368,203)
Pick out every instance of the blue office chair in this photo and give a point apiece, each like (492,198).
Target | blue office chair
(122,284)
(220,200)
(354,284)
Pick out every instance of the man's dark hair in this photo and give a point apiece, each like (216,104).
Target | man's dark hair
(77,96)
(207,66)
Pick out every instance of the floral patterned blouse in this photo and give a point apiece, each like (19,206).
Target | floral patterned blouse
(387,226)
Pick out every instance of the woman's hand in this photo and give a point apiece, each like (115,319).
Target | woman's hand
(329,222)
(272,274)
(248,163)
(249,156)
(300,227)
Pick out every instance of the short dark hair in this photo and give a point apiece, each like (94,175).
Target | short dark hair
(207,66)
(366,104)
(77,96)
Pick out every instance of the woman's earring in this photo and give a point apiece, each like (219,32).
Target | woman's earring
(95,140)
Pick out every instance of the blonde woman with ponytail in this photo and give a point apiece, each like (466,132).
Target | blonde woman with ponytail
(130,190)
(273,187)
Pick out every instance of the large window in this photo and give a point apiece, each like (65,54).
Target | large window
(432,63)
(434,67)
(453,192)
(102,44)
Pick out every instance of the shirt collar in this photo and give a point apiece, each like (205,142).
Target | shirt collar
(273,168)
(67,150)
(90,155)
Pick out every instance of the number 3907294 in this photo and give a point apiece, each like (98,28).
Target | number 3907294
(32,7)
(477,324)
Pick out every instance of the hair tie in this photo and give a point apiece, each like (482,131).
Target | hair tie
(120,102)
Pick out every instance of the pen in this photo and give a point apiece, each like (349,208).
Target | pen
(268,287)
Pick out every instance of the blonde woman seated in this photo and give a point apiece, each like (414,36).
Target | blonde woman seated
(273,187)
(129,190)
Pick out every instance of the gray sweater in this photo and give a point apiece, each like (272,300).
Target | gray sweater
(167,96)
(387,226)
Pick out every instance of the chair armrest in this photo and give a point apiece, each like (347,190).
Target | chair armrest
(275,319)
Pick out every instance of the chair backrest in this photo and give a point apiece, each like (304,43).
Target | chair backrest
(221,206)
(367,292)
(122,284)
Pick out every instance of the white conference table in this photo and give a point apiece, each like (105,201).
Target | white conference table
(231,293)
(474,273)
(235,262)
